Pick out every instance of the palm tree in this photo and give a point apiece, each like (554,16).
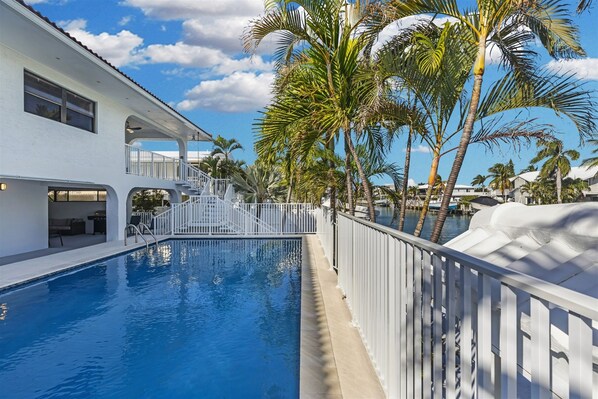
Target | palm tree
(500,175)
(573,189)
(510,26)
(593,161)
(439,96)
(259,184)
(211,165)
(225,147)
(530,168)
(583,5)
(318,57)
(536,191)
(479,180)
(557,164)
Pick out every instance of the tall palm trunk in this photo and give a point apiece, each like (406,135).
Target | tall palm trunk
(478,76)
(559,185)
(431,180)
(364,180)
(405,180)
(349,178)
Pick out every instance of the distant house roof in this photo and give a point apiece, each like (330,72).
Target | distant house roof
(192,156)
(485,200)
(582,172)
(577,172)
(97,56)
(527,176)
(457,186)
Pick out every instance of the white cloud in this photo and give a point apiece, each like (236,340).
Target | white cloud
(216,24)
(223,33)
(184,54)
(119,49)
(125,20)
(583,68)
(411,183)
(216,61)
(53,2)
(239,92)
(424,149)
(182,9)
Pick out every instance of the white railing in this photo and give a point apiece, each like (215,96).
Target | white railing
(146,217)
(284,218)
(201,182)
(163,222)
(438,323)
(325,232)
(208,215)
(146,163)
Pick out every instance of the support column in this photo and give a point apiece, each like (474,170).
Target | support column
(116,211)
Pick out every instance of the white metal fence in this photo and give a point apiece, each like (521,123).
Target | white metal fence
(146,217)
(325,232)
(208,215)
(438,323)
(284,218)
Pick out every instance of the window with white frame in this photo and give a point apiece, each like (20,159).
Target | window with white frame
(51,101)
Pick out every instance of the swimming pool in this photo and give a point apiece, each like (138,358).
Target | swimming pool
(196,318)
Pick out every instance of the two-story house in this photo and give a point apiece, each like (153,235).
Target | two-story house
(68,124)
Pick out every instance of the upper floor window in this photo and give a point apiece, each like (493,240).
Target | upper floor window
(51,101)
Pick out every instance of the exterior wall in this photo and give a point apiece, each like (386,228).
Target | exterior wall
(37,147)
(516,193)
(23,217)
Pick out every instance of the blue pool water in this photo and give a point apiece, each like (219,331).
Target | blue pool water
(198,318)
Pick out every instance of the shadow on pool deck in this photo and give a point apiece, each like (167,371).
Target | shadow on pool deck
(334,362)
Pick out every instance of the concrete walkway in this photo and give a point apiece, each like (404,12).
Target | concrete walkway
(334,362)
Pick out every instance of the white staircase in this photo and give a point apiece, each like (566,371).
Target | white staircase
(210,210)
(197,182)
(209,215)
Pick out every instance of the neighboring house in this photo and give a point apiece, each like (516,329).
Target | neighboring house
(519,181)
(590,175)
(460,191)
(68,121)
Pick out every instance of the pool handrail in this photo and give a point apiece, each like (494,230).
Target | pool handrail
(145,227)
(137,232)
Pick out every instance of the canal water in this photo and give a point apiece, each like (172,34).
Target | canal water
(453,226)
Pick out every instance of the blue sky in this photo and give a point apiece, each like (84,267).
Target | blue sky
(189,53)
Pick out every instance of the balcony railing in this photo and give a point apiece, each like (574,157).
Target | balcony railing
(146,163)
(438,323)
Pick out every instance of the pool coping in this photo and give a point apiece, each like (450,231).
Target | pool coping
(333,360)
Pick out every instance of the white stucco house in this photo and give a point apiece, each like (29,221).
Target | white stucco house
(68,121)
(460,191)
(590,175)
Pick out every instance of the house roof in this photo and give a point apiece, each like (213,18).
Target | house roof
(33,13)
(577,172)
(485,200)
(527,176)
(582,172)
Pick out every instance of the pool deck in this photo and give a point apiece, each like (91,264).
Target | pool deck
(333,362)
